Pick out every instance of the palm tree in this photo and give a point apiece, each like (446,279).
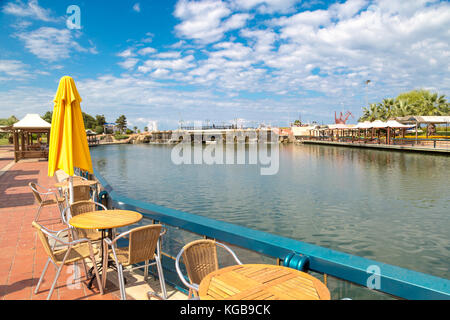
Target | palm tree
(416,102)
(121,123)
(402,108)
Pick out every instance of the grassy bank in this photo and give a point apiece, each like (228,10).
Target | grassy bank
(4,141)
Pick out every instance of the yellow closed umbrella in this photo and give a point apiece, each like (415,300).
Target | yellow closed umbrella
(68,142)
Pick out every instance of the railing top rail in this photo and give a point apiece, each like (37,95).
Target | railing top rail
(394,280)
(423,139)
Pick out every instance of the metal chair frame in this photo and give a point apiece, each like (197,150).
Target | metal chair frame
(193,287)
(55,236)
(49,192)
(66,215)
(112,244)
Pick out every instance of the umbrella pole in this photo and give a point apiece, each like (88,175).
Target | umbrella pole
(71,190)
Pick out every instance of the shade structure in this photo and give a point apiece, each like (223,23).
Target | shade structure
(32,121)
(378,124)
(68,142)
(397,125)
(363,125)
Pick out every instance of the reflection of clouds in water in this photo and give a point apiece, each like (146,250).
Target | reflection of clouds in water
(388,206)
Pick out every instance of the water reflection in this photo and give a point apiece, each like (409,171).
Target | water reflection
(388,206)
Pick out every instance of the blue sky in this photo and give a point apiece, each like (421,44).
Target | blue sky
(220,60)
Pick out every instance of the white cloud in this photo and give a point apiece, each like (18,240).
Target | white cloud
(168,55)
(205,21)
(11,70)
(51,44)
(137,7)
(129,63)
(127,53)
(348,9)
(147,50)
(30,10)
(266,6)
(170,64)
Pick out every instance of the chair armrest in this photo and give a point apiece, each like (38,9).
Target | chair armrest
(192,286)
(101,205)
(229,251)
(113,241)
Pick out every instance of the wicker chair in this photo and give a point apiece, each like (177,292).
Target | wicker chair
(43,202)
(72,252)
(144,246)
(81,193)
(200,259)
(82,207)
(75,178)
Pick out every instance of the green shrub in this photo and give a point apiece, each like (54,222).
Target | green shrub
(99,129)
(120,136)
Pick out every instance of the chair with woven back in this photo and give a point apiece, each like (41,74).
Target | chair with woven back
(143,246)
(80,207)
(200,259)
(42,194)
(71,251)
(81,193)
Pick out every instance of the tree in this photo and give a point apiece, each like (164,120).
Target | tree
(414,103)
(135,129)
(89,121)
(48,116)
(100,120)
(121,123)
(146,129)
(99,129)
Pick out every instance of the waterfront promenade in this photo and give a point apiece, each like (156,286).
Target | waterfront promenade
(423,149)
(22,255)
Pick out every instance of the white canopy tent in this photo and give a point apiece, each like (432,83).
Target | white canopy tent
(27,137)
(32,121)
(397,125)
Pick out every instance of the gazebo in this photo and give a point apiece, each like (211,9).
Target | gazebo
(28,136)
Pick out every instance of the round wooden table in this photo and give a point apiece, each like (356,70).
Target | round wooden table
(65,184)
(261,282)
(104,220)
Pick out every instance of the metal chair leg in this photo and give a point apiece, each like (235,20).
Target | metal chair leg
(146,270)
(121,282)
(99,282)
(161,277)
(42,276)
(38,213)
(86,272)
(55,281)
(105,264)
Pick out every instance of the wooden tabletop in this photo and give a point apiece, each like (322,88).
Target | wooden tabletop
(261,282)
(65,184)
(105,219)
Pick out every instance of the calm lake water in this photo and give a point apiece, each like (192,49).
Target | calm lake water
(392,207)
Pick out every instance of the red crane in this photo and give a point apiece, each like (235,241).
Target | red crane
(342,118)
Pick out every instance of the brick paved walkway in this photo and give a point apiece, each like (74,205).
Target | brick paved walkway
(22,257)
(6,155)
